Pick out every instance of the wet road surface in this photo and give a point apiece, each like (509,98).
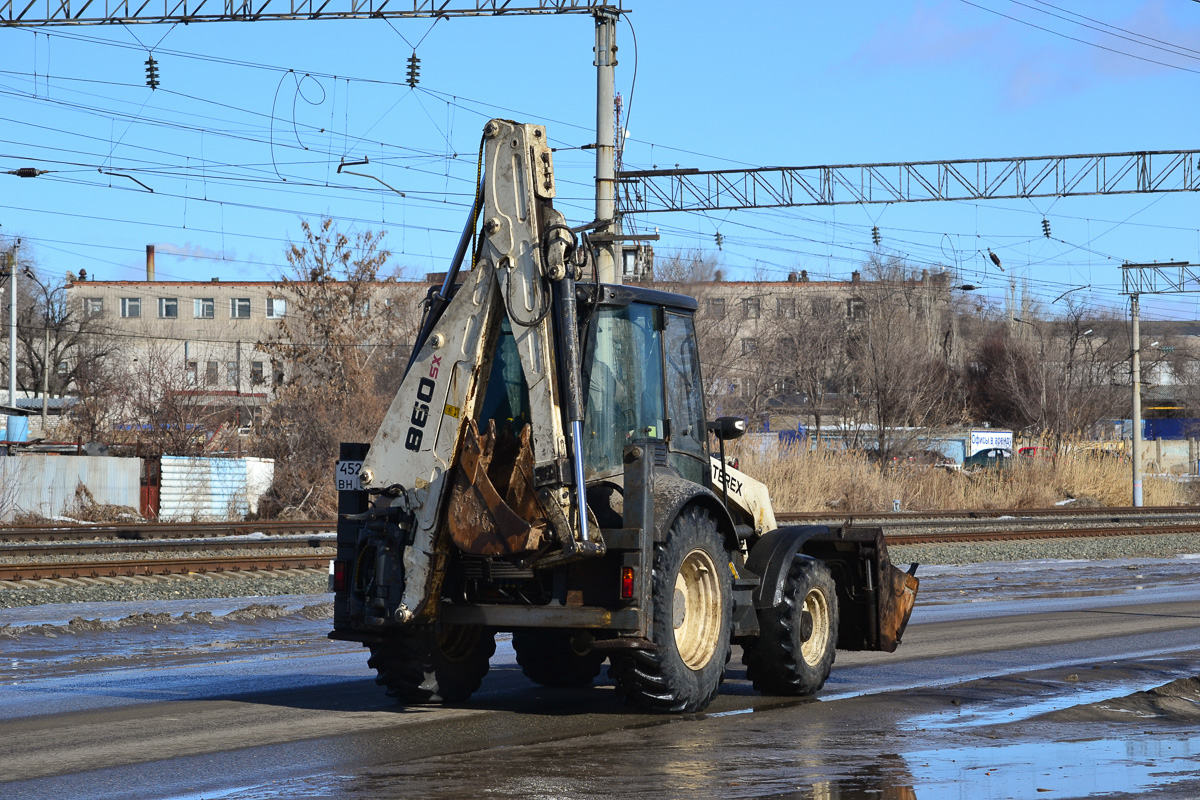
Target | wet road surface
(987,698)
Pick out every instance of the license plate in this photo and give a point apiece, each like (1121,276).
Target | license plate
(348,476)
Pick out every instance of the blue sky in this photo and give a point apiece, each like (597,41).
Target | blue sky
(244,136)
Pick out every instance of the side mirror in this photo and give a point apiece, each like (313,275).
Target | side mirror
(726,428)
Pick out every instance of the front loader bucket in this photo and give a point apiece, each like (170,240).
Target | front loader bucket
(875,597)
(493,510)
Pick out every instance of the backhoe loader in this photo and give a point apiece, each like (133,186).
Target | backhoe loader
(545,469)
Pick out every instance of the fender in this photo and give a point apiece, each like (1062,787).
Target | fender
(771,558)
(672,494)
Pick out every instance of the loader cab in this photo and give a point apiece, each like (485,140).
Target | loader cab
(641,379)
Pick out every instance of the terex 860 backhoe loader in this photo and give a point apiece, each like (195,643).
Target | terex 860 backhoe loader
(545,469)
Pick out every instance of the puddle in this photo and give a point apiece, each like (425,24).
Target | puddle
(1019,709)
(1102,767)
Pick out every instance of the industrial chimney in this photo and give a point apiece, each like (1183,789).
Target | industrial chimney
(150,263)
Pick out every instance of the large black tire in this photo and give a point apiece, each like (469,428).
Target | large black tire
(693,605)
(419,665)
(797,642)
(555,657)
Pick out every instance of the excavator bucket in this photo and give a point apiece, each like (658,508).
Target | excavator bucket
(493,508)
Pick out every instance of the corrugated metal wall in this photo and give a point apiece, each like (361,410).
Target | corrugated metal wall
(47,485)
(260,473)
(202,488)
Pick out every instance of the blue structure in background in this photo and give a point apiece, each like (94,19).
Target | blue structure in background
(1171,428)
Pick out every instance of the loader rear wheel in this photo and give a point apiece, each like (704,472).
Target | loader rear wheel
(421,665)
(794,652)
(556,658)
(692,594)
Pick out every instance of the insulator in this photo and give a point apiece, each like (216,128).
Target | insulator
(875,235)
(1046,227)
(151,73)
(720,239)
(414,70)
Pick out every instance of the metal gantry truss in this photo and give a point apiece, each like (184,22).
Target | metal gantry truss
(662,190)
(1170,277)
(42,13)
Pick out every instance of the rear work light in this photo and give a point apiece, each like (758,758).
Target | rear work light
(626,583)
(339,576)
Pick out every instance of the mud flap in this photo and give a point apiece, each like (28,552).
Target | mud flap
(493,509)
(875,597)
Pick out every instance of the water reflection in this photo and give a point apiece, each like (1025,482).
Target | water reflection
(1031,769)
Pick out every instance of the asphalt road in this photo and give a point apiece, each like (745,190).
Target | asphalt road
(274,711)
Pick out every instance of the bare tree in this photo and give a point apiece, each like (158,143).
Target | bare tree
(899,346)
(50,333)
(1060,375)
(337,358)
(808,352)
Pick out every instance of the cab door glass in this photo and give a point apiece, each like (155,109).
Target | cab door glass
(685,398)
(623,374)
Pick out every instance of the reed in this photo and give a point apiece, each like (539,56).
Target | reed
(840,480)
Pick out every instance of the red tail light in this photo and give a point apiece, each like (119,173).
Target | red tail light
(339,576)
(626,583)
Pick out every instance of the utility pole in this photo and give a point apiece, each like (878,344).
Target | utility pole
(1172,277)
(12,325)
(605,62)
(1136,359)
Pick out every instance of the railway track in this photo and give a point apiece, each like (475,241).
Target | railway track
(40,553)
(160,530)
(91,553)
(98,570)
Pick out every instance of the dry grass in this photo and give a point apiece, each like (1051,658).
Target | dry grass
(825,480)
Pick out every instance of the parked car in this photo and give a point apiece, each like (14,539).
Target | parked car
(988,459)
(1036,452)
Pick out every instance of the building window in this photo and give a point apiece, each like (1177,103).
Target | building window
(231,373)
(276,307)
(821,306)
(856,308)
(168,307)
(131,306)
(749,346)
(93,306)
(257,375)
(716,307)
(212,374)
(239,308)
(363,308)
(205,307)
(752,307)
(277,372)
(191,373)
(787,308)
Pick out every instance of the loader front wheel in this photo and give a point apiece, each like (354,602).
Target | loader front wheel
(424,665)
(794,651)
(692,594)
(556,657)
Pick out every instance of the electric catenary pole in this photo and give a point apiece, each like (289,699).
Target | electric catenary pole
(1175,277)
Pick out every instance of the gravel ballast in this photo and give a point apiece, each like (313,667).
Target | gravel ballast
(1081,549)
(182,587)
